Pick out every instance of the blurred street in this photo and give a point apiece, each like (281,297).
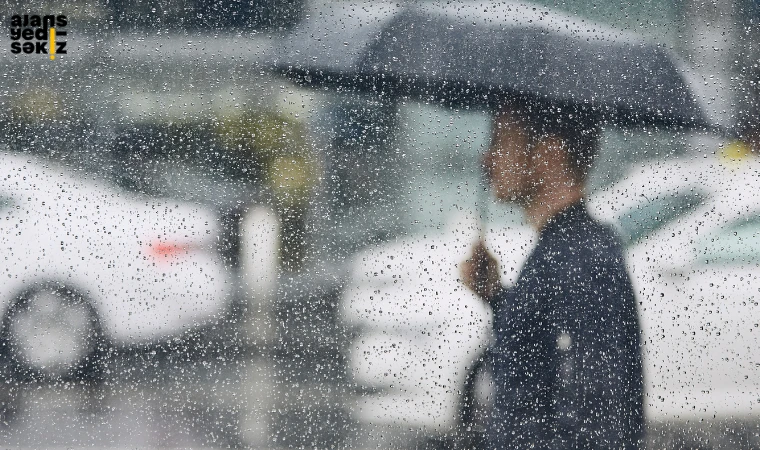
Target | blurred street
(171,403)
(214,390)
(153,401)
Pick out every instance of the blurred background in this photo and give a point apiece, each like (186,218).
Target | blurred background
(186,235)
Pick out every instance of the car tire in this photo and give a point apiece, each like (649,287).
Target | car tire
(52,333)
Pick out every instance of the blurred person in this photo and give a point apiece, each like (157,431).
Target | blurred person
(566,358)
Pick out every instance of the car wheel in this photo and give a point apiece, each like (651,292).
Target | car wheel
(51,333)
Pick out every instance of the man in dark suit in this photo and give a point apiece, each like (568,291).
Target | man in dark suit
(566,358)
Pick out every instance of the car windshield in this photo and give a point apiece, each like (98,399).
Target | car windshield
(736,244)
(651,215)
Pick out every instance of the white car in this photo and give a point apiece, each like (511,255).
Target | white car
(692,228)
(419,331)
(84,264)
(695,263)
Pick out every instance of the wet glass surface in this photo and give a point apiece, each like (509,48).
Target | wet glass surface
(199,250)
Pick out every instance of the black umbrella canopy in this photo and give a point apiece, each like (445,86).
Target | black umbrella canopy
(477,52)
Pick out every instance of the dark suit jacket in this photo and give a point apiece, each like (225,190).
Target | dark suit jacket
(566,359)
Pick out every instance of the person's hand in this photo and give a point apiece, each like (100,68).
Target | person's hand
(480,272)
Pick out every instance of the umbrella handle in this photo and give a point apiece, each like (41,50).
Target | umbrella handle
(481,208)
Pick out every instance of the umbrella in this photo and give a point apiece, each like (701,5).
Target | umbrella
(474,51)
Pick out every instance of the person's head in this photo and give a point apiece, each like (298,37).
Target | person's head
(537,147)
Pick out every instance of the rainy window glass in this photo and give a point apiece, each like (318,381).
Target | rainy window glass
(5,202)
(379,224)
(207,16)
(421,162)
(442,149)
